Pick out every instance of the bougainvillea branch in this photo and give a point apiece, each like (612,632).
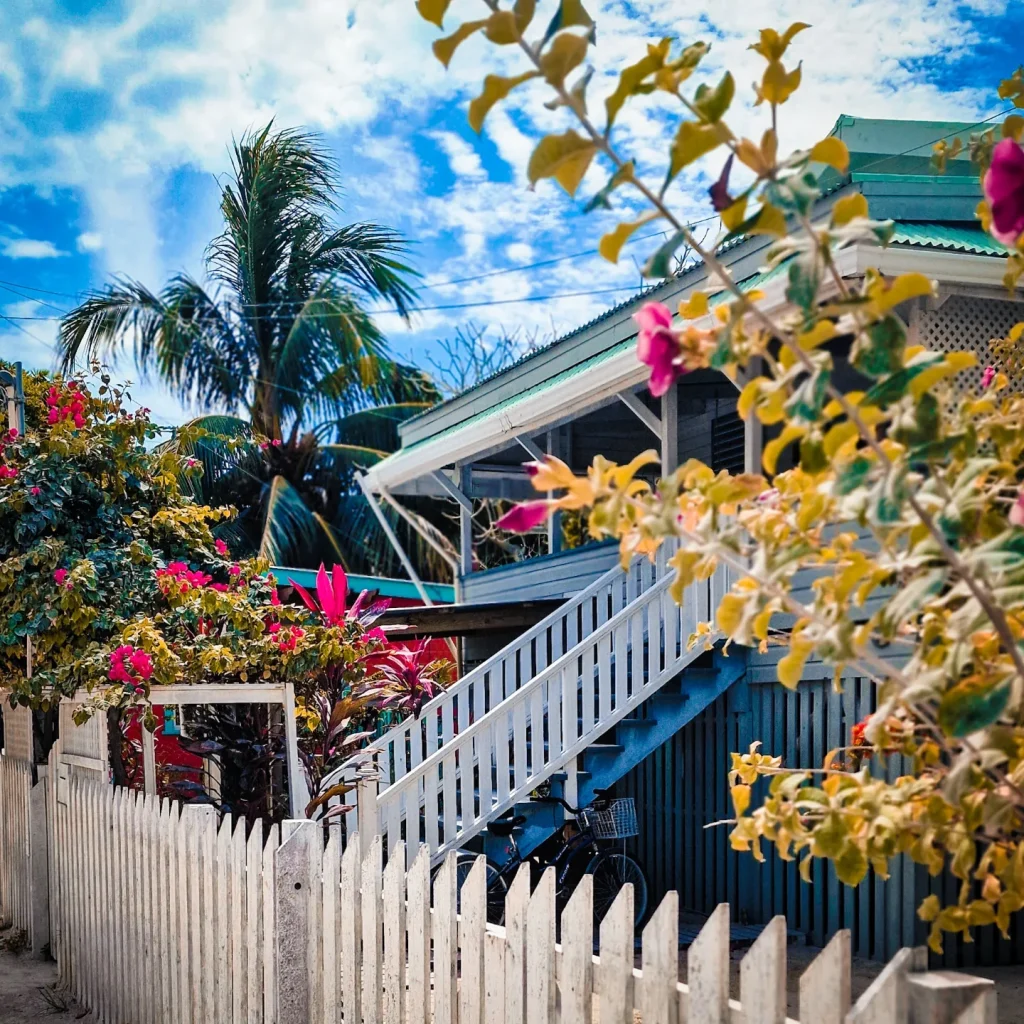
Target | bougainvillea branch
(903,500)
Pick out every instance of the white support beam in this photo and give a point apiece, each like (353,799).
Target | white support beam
(534,452)
(415,524)
(452,491)
(208,693)
(465,521)
(371,499)
(753,429)
(298,793)
(670,430)
(642,413)
(554,518)
(148,762)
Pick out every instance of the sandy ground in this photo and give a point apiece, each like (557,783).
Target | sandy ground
(22,981)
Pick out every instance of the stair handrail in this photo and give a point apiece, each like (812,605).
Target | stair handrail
(413,775)
(478,673)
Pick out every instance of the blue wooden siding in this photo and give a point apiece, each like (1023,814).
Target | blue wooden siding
(681,788)
(551,576)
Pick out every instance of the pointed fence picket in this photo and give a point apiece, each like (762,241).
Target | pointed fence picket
(162,912)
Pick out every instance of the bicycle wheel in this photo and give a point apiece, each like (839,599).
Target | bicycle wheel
(497,887)
(611,872)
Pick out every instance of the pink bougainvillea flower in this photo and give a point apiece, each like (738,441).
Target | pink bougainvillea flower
(235,570)
(60,576)
(13,433)
(273,627)
(221,588)
(275,601)
(36,491)
(1017,511)
(657,346)
(988,376)
(1004,190)
(524,517)
(222,548)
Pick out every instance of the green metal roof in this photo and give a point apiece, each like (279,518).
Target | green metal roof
(566,376)
(950,237)
(933,236)
(442,593)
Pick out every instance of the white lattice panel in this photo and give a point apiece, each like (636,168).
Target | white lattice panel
(17,732)
(966,324)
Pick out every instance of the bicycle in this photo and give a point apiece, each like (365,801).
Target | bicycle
(602,820)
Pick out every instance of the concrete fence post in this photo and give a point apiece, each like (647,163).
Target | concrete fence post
(39,865)
(295,864)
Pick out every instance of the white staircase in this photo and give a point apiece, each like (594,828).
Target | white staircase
(525,714)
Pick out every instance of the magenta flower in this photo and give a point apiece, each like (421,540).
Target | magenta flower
(524,517)
(235,570)
(222,548)
(1004,190)
(1017,511)
(36,491)
(60,576)
(275,601)
(657,346)
(987,377)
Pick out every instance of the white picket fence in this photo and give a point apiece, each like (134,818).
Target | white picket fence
(162,914)
(15,859)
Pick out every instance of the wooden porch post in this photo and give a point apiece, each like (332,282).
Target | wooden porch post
(465,522)
(670,430)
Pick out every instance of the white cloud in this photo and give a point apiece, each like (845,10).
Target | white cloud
(89,241)
(462,158)
(30,249)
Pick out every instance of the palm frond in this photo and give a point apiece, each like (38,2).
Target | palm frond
(288,524)
(328,534)
(367,256)
(376,427)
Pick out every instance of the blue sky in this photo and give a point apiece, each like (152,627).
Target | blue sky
(115,117)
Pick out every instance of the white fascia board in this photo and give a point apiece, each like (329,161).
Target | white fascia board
(961,267)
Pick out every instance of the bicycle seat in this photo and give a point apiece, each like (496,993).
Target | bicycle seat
(506,826)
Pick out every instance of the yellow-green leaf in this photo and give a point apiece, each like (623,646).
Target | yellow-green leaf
(851,865)
(832,151)
(790,668)
(771,221)
(631,77)
(740,799)
(611,243)
(730,613)
(732,216)
(433,10)
(444,49)
(569,14)
(713,103)
(502,28)
(694,307)
(849,208)
(566,52)
(778,85)
(495,88)
(692,141)
(563,157)
(775,447)
(524,11)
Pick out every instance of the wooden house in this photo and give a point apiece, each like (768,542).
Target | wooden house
(600,691)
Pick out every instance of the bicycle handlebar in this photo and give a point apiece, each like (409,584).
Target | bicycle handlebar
(599,796)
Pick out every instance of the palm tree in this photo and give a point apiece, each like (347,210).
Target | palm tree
(277,348)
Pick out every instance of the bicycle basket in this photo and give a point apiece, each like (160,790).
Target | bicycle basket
(616,821)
